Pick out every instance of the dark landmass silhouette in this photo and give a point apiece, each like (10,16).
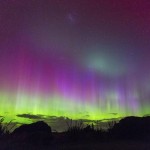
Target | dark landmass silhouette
(129,133)
(132,127)
(34,133)
(39,126)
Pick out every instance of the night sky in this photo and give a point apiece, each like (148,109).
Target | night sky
(80,59)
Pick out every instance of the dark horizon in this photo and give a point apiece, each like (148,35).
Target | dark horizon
(61,124)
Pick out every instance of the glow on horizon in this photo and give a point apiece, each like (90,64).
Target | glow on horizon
(58,106)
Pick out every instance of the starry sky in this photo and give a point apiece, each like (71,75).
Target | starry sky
(77,59)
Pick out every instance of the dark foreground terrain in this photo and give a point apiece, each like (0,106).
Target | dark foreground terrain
(116,145)
(131,133)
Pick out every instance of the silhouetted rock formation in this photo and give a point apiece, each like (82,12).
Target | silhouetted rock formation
(38,132)
(132,127)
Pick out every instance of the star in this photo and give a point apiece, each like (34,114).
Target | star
(72,18)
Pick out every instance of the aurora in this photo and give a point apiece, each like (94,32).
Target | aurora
(72,59)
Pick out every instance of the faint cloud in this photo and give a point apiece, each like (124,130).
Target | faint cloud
(30,116)
(113,113)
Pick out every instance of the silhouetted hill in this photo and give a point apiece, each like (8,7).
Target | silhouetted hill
(39,126)
(132,127)
(38,132)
